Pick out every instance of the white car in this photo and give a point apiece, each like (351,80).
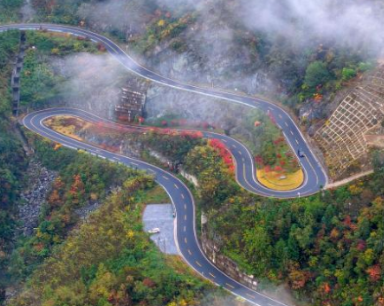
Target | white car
(154,230)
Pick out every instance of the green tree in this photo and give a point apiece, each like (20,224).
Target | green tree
(316,74)
(258,248)
(348,73)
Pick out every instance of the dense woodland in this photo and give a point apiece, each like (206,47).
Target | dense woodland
(328,247)
(12,156)
(108,260)
(13,161)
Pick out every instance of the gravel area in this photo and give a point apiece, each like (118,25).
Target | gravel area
(160,216)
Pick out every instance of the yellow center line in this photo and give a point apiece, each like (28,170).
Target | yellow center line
(317,177)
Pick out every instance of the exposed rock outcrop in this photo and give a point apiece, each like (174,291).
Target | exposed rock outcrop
(39,182)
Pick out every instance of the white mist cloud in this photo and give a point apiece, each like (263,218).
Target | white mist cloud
(91,80)
(353,22)
(214,53)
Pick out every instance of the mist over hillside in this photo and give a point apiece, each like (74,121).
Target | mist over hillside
(254,46)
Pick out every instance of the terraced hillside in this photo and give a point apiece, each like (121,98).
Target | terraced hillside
(343,137)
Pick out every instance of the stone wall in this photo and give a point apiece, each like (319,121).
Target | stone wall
(225,264)
(189,177)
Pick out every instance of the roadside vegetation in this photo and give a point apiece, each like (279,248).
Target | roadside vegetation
(278,168)
(256,130)
(40,81)
(106,260)
(82,180)
(10,10)
(327,247)
(13,161)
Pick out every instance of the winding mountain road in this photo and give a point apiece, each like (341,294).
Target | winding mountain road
(181,197)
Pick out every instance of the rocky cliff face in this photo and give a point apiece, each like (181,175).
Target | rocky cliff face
(39,184)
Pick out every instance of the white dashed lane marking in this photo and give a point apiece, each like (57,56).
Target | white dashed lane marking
(230,286)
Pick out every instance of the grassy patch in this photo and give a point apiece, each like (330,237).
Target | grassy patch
(156,195)
(280,181)
(66,125)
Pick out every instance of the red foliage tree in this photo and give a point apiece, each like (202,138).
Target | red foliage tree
(223,152)
(374,273)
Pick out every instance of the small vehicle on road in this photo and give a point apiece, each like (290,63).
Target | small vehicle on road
(154,230)
(300,153)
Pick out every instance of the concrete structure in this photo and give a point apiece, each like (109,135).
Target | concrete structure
(15,80)
(130,106)
(342,138)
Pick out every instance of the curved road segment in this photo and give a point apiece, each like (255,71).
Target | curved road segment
(186,238)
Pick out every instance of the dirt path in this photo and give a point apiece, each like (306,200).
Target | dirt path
(348,180)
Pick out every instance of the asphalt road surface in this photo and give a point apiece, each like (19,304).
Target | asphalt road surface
(181,197)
